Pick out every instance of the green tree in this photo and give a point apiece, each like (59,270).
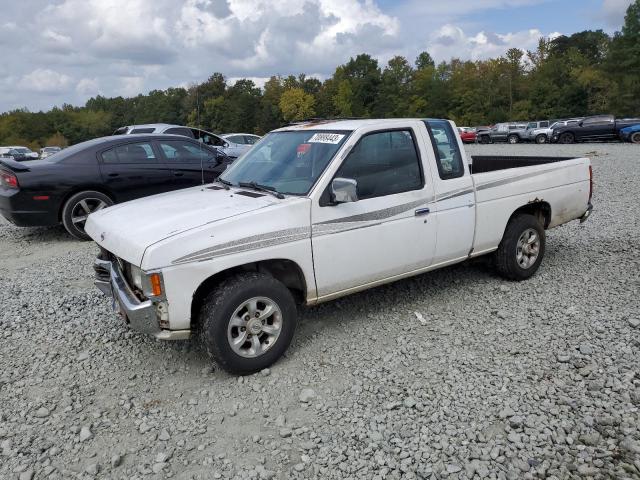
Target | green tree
(296,104)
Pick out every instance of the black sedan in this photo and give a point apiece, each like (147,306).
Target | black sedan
(69,185)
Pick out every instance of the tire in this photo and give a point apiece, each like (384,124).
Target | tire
(510,260)
(513,139)
(224,314)
(541,139)
(635,137)
(567,138)
(485,139)
(78,207)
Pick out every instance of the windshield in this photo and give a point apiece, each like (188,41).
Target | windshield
(289,162)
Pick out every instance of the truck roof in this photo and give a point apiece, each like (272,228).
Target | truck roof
(334,124)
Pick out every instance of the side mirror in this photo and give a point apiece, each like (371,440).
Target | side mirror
(225,145)
(580,123)
(344,190)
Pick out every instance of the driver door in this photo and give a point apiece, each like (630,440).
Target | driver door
(387,232)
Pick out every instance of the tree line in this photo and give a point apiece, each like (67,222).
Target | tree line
(586,73)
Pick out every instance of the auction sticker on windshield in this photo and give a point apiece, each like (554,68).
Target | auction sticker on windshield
(332,138)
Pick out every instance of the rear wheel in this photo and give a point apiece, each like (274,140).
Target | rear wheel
(540,139)
(567,138)
(247,322)
(635,137)
(485,139)
(77,209)
(513,139)
(522,248)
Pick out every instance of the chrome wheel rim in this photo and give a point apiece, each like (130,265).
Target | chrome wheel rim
(254,327)
(513,140)
(83,208)
(528,248)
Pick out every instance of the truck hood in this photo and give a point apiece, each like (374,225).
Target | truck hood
(128,229)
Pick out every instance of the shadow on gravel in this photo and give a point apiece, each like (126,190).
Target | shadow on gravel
(396,297)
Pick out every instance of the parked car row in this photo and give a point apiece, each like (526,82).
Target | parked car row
(572,130)
(19,153)
(231,144)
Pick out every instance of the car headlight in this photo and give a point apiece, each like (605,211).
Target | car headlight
(151,284)
(136,276)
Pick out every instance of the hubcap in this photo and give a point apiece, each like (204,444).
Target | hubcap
(83,208)
(528,248)
(254,327)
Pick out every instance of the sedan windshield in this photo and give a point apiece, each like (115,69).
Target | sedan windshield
(287,162)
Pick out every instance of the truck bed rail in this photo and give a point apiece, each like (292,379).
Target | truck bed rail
(489,163)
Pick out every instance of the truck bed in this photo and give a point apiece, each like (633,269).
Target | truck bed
(489,163)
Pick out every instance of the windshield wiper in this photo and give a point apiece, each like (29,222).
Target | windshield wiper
(262,188)
(226,183)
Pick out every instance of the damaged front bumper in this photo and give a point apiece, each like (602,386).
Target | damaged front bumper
(140,315)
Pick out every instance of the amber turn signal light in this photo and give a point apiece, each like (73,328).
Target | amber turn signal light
(156,284)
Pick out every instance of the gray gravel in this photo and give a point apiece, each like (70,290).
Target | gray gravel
(455,374)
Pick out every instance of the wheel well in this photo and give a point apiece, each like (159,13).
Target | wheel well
(286,271)
(537,208)
(70,193)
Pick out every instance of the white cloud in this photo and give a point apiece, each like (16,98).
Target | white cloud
(130,86)
(451,41)
(88,87)
(133,46)
(43,80)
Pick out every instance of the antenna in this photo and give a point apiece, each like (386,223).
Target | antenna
(200,128)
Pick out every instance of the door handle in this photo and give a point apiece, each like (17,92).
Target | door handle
(113,174)
(178,174)
(422,211)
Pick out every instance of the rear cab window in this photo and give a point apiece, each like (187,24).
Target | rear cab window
(446,149)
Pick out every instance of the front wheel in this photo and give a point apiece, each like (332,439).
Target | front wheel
(635,138)
(513,139)
(78,207)
(522,248)
(247,322)
(567,138)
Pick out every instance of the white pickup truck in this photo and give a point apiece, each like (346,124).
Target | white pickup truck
(316,211)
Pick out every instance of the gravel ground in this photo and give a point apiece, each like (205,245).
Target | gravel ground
(454,374)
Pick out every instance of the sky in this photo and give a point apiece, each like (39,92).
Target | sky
(67,51)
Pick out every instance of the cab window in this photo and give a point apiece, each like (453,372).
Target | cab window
(384,163)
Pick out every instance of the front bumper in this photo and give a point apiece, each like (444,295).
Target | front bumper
(139,315)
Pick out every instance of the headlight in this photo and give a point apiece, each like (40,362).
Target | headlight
(136,276)
(150,284)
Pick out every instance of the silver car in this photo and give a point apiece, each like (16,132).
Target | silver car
(239,143)
(30,155)
(543,135)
